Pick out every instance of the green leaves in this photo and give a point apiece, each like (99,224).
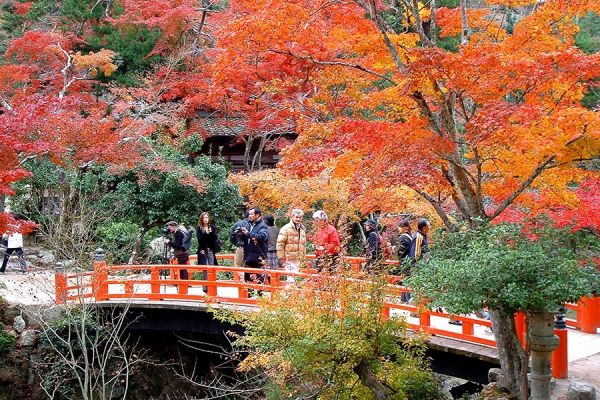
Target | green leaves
(315,338)
(502,267)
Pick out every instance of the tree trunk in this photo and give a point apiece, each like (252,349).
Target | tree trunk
(514,360)
(368,378)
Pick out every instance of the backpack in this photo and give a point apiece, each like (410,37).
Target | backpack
(187,238)
(385,248)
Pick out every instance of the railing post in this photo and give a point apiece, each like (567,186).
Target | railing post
(100,277)
(385,312)
(586,314)
(520,326)
(242,291)
(425,318)
(560,360)
(60,284)
(211,277)
(468,328)
(183,287)
(155,277)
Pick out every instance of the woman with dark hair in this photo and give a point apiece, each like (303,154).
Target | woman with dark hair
(208,240)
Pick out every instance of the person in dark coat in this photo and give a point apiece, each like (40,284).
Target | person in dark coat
(272,242)
(373,245)
(237,239)
(178,244)
(403,251)
(419,246)
(403,248)
(255,244)
(208,240)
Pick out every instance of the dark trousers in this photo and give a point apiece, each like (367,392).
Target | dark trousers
(183,257)
(19,251)
(208,258)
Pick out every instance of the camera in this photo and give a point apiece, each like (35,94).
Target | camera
(238,231)
(165,230)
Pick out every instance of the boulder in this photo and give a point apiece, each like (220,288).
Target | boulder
(28,338)
(19,324)
(581,391)
(49,314)
(46,258)
(494,374)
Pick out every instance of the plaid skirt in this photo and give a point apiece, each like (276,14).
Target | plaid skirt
(272,260)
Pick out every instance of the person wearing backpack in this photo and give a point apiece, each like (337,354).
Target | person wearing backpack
(372,246)
(403,252)
(403,248)
(181,242)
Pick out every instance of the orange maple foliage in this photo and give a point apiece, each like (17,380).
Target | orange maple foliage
(496,125)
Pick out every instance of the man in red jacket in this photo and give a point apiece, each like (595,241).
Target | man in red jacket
(327,242)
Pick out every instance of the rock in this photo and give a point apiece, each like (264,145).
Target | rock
(19,324)
(32,258)
(48,314)
(581,391)
(28,338)
(494,374)
(68,264)
(46,258)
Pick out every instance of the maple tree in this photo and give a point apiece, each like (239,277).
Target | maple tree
(496,125)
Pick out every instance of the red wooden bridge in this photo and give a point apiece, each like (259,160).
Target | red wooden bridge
(225,285)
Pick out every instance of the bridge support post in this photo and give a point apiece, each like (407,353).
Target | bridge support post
(560,361)
(60,284)
(100,278)
(543,342)
(586,314)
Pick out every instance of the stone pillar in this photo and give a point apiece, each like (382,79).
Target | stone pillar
(542,343)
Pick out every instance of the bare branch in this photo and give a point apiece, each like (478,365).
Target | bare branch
(335,63)
(523,186)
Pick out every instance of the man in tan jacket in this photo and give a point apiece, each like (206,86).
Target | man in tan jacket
(291,243)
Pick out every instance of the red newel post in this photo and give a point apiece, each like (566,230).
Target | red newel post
(560,360)
(100,278)
(211,277)
(586,314)
(60,284)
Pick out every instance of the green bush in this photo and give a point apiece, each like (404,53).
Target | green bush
(117,239)
(7,341)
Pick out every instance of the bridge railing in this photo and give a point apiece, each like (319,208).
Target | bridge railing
(226,284)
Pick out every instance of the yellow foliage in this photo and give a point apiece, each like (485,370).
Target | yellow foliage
(96,62)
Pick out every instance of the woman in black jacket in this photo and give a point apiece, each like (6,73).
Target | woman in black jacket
(208,240)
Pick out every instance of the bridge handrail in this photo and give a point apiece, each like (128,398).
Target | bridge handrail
(107,275)
(95,285)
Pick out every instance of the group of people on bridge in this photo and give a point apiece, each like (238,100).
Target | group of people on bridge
(260,244)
